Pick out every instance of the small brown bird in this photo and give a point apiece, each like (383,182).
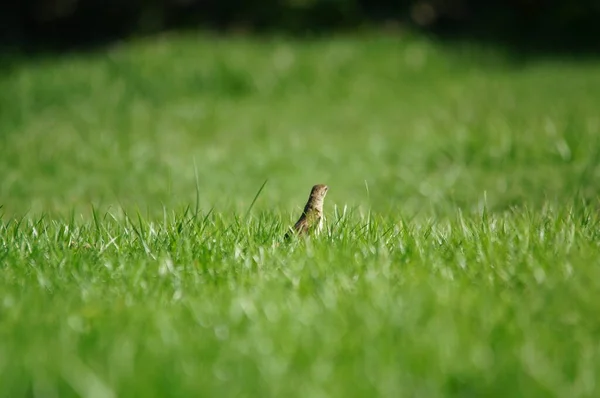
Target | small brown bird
(312,216)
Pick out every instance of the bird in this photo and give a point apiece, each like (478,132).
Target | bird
(311,219)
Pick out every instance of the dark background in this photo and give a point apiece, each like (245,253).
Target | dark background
(532,25)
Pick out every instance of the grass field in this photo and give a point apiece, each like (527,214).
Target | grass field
(460,257)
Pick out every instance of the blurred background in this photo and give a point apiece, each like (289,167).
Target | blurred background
(420,106)
(540,24)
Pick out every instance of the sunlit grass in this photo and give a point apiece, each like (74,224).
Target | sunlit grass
(460,251)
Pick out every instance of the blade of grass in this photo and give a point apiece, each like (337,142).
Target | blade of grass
(255,198)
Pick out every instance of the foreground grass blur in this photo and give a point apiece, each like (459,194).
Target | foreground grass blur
(460,257)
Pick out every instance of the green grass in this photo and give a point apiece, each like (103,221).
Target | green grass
(460,257)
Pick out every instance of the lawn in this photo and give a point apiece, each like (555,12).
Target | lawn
(145,188)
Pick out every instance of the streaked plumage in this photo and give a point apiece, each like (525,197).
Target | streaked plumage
(311,219)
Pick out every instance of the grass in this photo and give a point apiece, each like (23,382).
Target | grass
(460,253)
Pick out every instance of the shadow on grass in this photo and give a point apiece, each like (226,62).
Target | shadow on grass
(519,43)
